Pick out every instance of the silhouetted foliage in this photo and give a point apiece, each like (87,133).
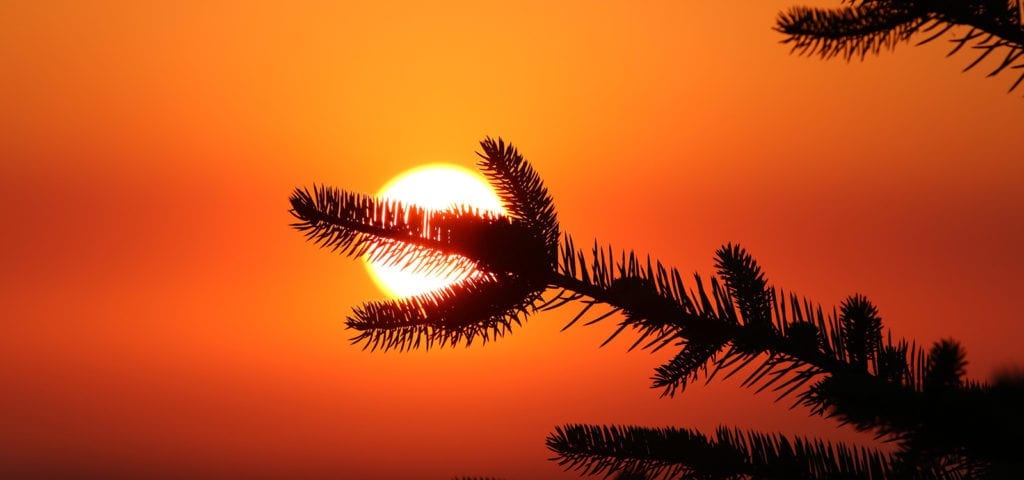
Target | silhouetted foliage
(861,27)
(841,364)
(682,453)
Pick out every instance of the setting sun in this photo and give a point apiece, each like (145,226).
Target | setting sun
(436,187)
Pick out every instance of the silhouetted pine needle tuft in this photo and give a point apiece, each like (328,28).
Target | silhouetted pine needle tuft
(743,276)
(479,308)
(862,331)
(522,191)
(947,366)
(686,366)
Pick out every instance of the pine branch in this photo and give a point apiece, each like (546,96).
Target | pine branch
(664,311)
(848,32)
(422,241)
(360,225)
(670,453)
(689,364)
(869,26)
(481,307)
(417,239)
(510,256)
(837,364)
(654,299)
(938,420)
(522,191)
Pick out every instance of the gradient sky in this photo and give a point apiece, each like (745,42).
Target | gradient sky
(159,318)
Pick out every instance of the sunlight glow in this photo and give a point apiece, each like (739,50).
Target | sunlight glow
(435,186)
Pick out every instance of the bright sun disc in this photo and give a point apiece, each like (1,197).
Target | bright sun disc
(437,187)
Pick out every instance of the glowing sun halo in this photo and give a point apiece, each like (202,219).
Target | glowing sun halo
(436,186)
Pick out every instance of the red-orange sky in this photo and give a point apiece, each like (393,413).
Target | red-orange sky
(160,319)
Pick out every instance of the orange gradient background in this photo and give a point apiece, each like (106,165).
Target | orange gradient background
(159,319)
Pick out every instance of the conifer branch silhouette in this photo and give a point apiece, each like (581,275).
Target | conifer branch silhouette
(682,453)
(841,364)
(861,27)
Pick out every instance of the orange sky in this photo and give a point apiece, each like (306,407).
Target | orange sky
(158,315)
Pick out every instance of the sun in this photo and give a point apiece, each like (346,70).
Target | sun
(436,186)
